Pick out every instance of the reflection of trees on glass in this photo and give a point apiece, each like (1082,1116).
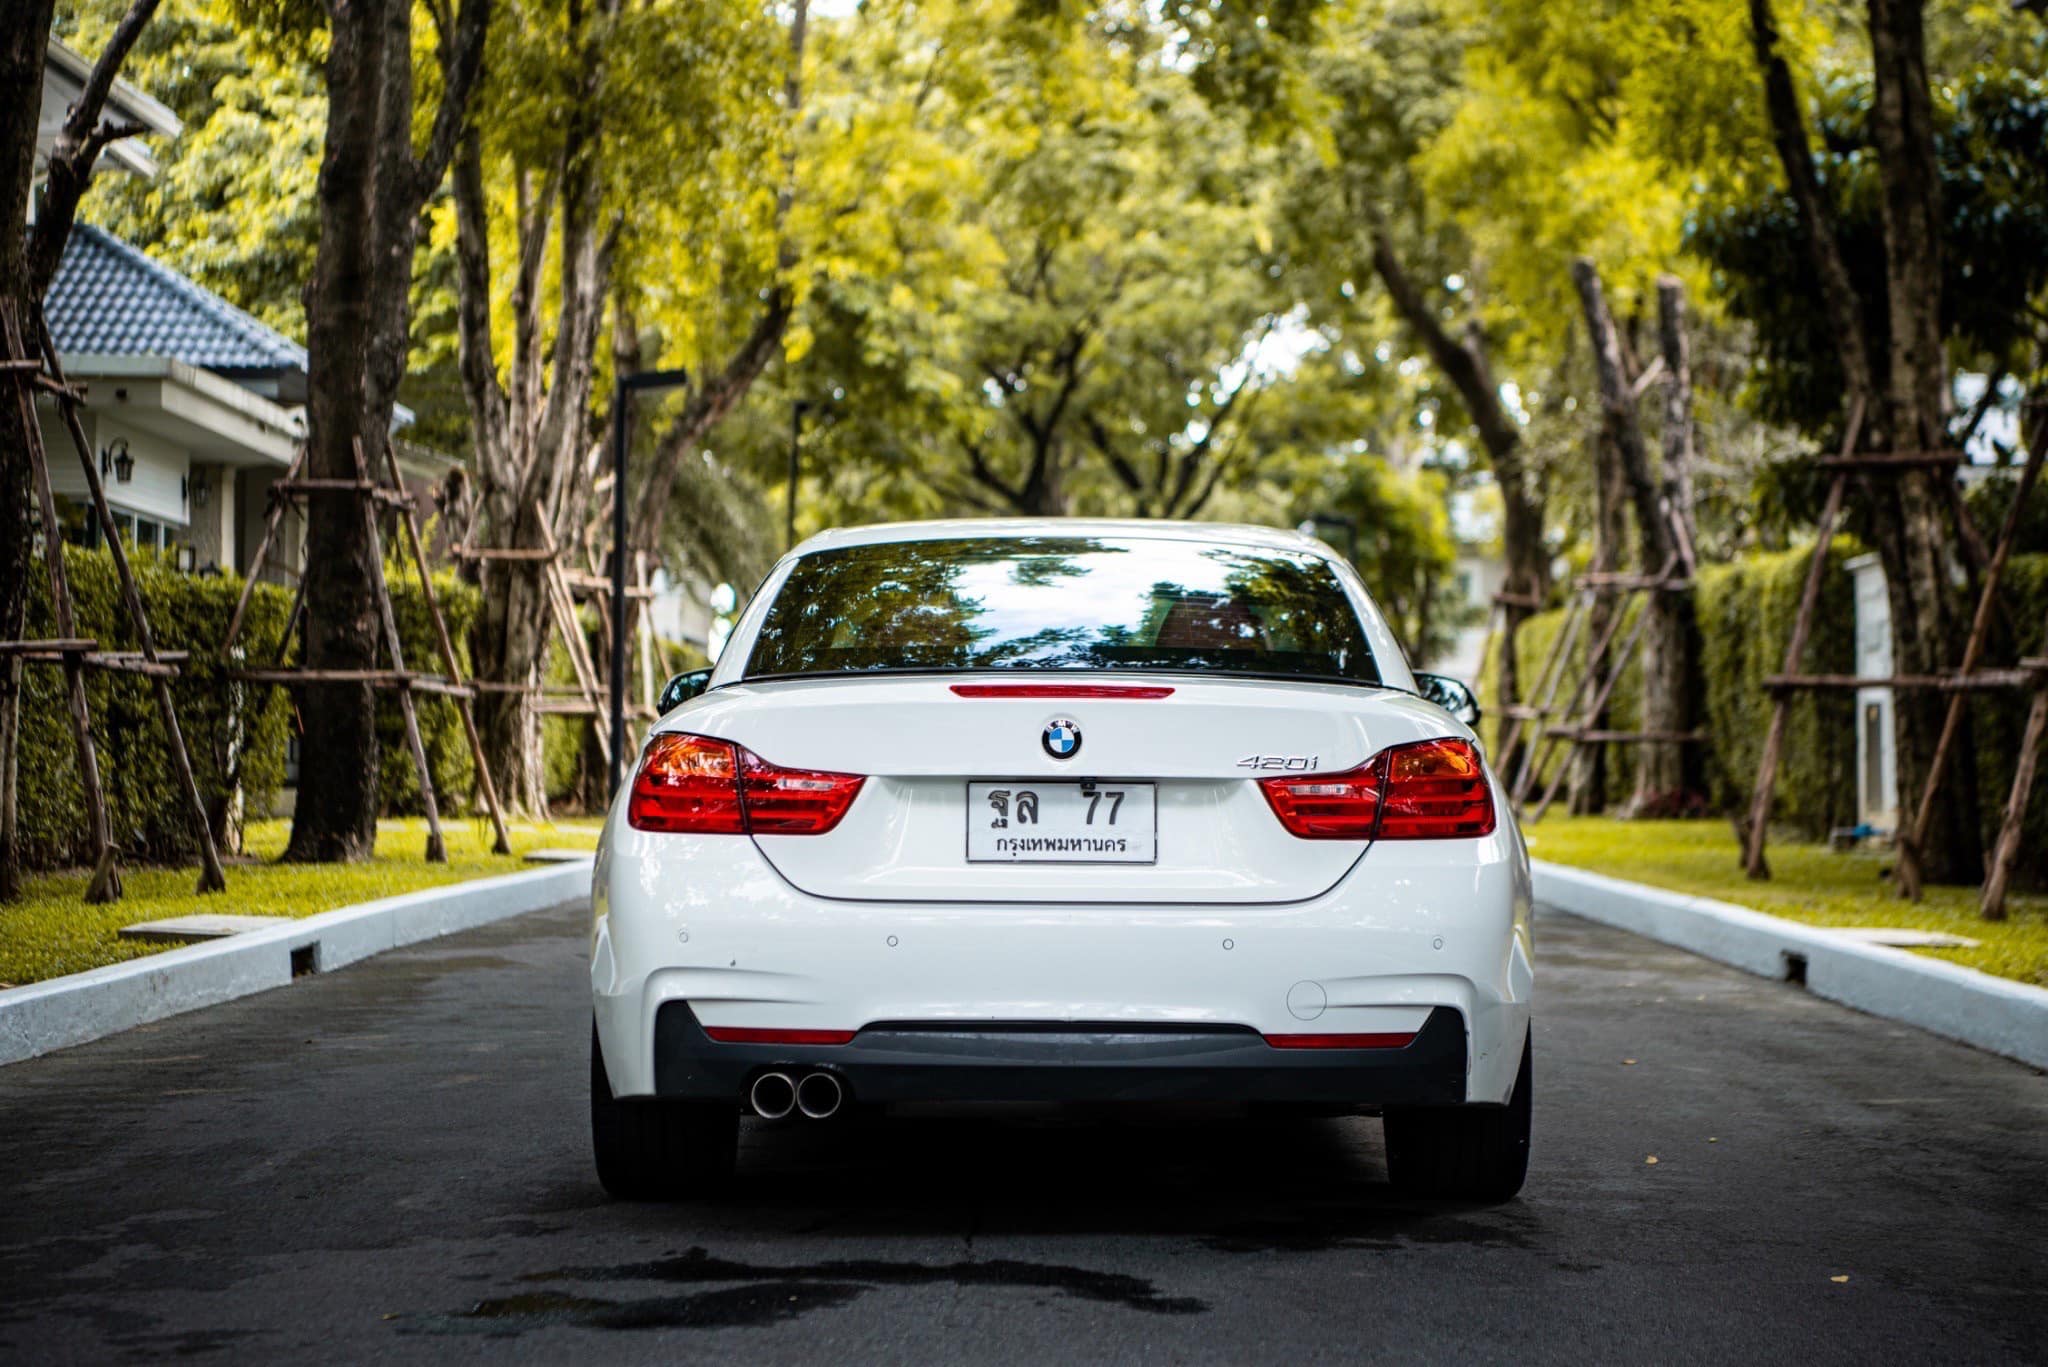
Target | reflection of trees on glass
(1024,603)
(1295,612)
(868,607)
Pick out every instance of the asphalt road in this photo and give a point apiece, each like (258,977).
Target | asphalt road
(392,1161)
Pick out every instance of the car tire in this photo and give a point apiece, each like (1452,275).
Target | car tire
(659,1148)
(1463,1153)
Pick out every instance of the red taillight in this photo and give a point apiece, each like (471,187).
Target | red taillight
(687,783)
(747,1034)
(713,787)
(1431,790)
(1383,1041)
(1342,806)
(1435,791)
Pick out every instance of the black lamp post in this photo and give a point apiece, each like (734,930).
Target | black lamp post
(629,385)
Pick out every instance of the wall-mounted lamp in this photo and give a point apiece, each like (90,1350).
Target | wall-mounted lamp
(202,491)
(185,560)
(185,489)
(116,458)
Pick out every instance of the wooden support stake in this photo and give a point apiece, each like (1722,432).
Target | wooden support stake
(1910,839)
(1781,704)
(2006,852)
(437,848)
(262,557)
(1614,673)
(1753,862)
(1594,662)
(564,606)
(484,783)
(211,878)
(1577,612)
(105,884)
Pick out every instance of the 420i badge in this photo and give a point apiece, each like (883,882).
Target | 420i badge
(1062,738)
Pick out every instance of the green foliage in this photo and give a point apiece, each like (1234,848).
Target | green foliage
(236,732)
(1988,146)
(233,206)
(50,931)
(1398,535)
(1809,883)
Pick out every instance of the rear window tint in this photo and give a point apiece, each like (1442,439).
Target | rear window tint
(1056,603)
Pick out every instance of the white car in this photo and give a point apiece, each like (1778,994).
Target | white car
(1061,810)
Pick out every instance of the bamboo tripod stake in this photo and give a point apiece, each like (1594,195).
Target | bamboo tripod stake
(105,884)
(1910,839)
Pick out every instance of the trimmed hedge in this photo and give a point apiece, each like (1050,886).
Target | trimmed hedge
(237,733)
(1745,611)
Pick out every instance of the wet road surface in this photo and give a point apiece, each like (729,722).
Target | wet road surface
(392,1161)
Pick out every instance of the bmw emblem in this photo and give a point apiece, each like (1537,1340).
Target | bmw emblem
(1062,738)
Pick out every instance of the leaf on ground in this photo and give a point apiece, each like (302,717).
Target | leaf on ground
(1628,1063)
(1843,1278)
(1651,1159)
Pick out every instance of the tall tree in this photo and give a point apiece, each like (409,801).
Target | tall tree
(576,136)
(29,253)
(1907,512)
(373,185)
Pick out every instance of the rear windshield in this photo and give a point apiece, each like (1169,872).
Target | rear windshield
(1062,603)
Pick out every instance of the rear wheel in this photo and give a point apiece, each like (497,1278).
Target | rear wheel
(1467,1153)
(659,1148)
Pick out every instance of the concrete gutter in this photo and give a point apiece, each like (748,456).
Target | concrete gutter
(103,1001)
(1994,1014)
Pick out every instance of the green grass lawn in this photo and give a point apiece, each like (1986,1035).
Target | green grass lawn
(51,932)
(1809,883)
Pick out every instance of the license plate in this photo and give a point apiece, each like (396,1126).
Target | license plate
(1062,823)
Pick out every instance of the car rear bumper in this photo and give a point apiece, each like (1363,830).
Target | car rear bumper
(1071,1061)
(1416,929)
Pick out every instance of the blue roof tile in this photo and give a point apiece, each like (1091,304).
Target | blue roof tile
(109,298)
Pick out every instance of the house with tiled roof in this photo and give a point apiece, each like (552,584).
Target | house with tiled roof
(192,406)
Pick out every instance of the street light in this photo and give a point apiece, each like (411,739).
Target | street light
(628,386)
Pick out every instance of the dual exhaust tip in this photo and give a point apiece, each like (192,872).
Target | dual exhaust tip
(774,1096)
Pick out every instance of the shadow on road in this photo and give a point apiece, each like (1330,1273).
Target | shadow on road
(1223,1180)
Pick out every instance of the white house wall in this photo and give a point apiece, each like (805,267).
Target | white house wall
(152,492)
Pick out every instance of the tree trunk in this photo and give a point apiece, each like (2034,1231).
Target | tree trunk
(533,432)
(371,188)
(1672,780)
(1610,533)
(1665,781)
(1906,513)
(1909,524)
(22,45)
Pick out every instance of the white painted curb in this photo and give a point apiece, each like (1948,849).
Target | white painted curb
(103,1001)
(1996,1014)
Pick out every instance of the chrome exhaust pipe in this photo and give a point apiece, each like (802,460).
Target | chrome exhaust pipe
(773,1096)
(819,1096)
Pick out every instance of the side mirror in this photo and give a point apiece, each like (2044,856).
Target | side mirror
(681,689)
(1451,695)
